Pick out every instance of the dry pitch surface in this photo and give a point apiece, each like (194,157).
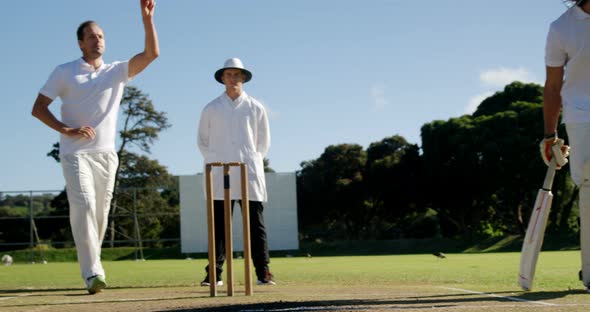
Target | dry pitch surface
(295,298)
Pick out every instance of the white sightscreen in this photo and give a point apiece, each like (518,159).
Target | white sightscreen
(280,214)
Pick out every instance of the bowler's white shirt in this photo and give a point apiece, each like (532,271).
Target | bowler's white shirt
(236,131)
(568,44)
(90,97)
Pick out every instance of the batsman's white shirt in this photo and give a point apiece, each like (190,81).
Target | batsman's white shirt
(568,45)
(236,131)
(90,97)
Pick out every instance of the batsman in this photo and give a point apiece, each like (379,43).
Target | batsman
(567,89)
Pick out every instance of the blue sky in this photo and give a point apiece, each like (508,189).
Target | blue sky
(329,72)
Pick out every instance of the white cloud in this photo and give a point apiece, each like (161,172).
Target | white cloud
(475,100)
(496,79)
(500,77)
(378,95)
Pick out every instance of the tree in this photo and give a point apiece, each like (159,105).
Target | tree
(267,167)
(141,126)
(450,166)
(15,211)
(330,190)
(143,183)
(394,186)
(514,92)
(483,170)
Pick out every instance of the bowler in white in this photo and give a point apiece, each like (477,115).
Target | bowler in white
(90,91)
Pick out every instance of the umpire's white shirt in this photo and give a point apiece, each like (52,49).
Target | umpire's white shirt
(90,97)
(236,131)
(568,44)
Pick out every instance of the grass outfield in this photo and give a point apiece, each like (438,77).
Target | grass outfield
(473,282)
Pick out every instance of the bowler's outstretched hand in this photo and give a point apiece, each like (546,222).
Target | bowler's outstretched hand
(147,8)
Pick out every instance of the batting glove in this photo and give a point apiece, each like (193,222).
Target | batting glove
(554,147)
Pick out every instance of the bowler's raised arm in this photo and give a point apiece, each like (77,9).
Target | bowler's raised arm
(152,49)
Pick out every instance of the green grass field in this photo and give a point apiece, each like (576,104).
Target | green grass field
(316,281)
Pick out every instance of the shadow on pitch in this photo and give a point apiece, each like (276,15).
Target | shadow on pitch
(320,305)
(62,292)
(37,292)
(396,302)
(517,296)
(415,302)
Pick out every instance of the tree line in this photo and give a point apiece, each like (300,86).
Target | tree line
(473,176)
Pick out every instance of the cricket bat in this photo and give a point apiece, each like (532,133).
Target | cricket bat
(535,232)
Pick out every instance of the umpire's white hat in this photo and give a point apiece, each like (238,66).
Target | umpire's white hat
(233,63)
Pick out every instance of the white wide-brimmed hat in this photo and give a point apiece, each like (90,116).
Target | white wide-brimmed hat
(233,63)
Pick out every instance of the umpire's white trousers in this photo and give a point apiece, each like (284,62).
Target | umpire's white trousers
(579,140)
(90,178)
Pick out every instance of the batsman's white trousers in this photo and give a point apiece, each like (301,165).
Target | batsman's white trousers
(90,178)
(579,140)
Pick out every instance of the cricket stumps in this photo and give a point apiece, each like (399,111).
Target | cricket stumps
(228,227)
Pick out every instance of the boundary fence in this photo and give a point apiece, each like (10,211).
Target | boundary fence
(128,215)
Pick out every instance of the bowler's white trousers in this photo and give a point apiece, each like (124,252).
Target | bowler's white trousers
(90,178)
(579,141)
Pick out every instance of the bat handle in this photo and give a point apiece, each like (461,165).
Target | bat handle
(548,183)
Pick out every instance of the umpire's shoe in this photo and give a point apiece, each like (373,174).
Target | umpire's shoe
(205,282)
(265,277)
